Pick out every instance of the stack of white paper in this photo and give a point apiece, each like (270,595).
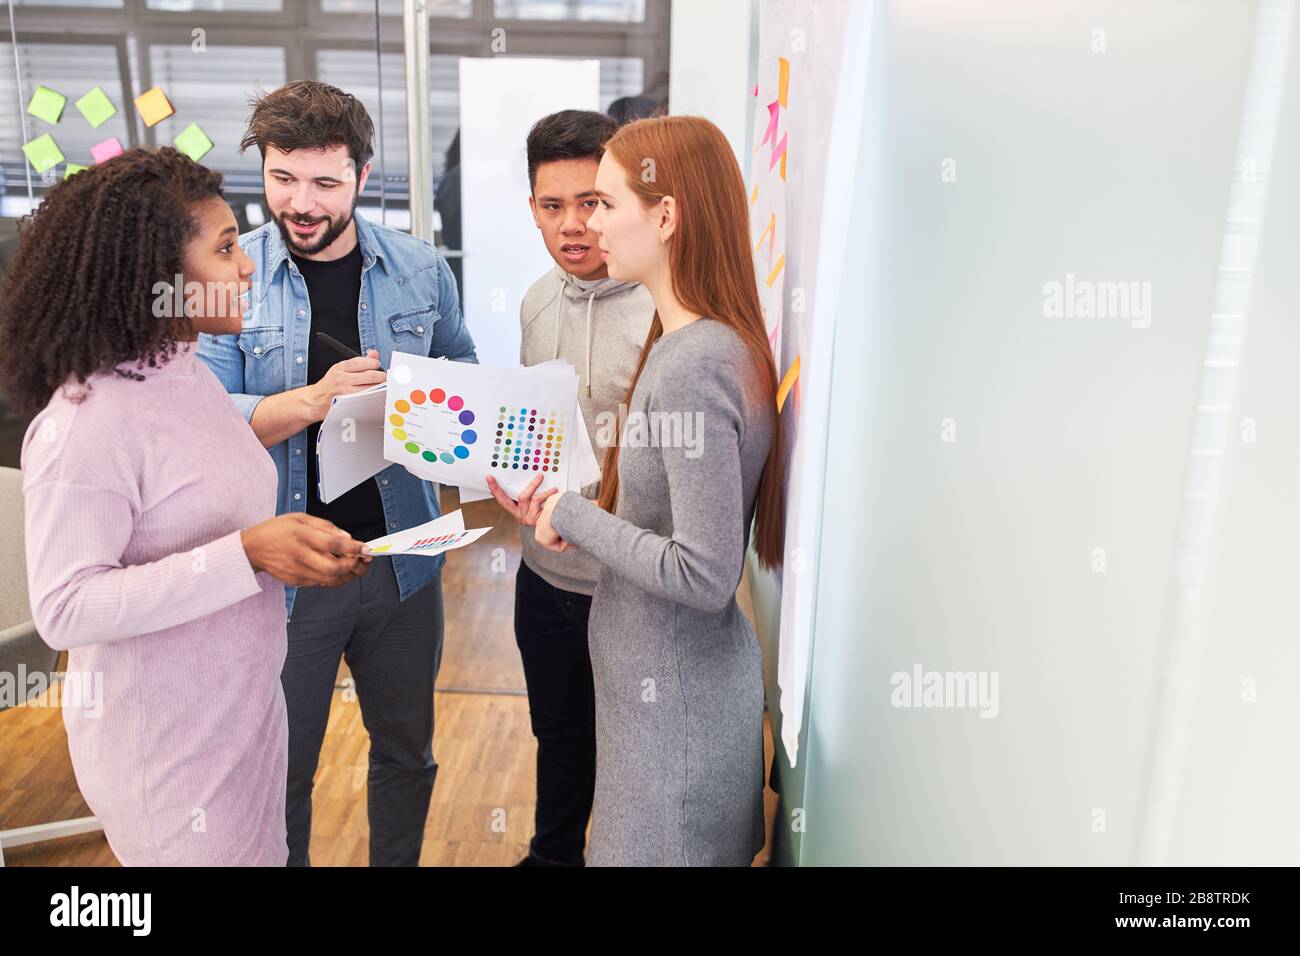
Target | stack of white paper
(458,423)
(350,443)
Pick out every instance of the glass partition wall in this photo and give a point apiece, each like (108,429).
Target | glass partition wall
(70,73)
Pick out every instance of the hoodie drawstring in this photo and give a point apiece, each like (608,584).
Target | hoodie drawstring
(559,311)
(589,304)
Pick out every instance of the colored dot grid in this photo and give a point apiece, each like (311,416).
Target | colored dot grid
(458,419)
(528,440)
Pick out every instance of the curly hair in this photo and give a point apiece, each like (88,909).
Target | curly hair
(78,297)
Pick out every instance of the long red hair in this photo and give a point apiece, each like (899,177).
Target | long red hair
(712,272)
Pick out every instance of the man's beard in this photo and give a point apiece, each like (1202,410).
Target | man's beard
(332,231)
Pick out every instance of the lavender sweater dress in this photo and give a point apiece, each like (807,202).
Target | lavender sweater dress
(678,670)
(134,502)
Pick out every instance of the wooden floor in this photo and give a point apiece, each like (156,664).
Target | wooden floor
(482,808)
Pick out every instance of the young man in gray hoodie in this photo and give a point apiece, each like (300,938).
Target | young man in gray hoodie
(575,312)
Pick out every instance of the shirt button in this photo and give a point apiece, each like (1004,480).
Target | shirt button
(420,329)
(392,524)
(297,497)
(257,350)
(299,360)
(363,307)
(301,313)
(383,481)
(297,451)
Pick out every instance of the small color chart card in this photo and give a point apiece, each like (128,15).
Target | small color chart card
(433,537)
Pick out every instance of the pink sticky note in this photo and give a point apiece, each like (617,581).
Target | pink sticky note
(106,150)
(773,122)
(778,151)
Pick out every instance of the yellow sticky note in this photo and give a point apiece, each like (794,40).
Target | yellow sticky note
(153,106)
(43,153)
(73,168)
(96,107)
(46,104)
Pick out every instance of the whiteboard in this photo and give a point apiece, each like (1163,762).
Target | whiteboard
(500,100)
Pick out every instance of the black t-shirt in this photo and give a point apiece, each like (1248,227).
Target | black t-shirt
(334,289)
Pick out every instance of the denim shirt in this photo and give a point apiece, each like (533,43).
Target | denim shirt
(408,303)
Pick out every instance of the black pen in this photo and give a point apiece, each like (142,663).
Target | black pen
(330,342)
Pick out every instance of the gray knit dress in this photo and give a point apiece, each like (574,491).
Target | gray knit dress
(677,668)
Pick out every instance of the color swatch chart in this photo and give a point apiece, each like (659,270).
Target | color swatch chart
(430,539)
(434,425)
(528,439)
(442,542)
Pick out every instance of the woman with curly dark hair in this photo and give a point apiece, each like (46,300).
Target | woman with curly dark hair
(153,553)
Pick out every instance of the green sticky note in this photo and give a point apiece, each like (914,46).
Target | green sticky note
(193,142)
(96,107)
(72,168)
(43,153)
(47,104)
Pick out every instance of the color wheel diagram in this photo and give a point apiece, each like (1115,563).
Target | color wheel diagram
(434,426)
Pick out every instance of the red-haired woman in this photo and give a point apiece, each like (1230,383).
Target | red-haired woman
(677,668)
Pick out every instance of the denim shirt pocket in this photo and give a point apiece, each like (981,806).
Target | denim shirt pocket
(263,350)
(412,329)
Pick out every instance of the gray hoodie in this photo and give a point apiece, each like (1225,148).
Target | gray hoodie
(599,326)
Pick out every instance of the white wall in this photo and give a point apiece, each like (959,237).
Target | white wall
(711,66)
(1071,434)
(500,100)
(1231,725)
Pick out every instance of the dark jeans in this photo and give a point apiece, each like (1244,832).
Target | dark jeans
(551,631)
(393,649)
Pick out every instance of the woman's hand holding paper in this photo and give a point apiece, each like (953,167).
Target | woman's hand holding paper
(304,551)
(529,506)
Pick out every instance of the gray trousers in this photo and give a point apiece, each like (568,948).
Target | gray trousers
(393,649)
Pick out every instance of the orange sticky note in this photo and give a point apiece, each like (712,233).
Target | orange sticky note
(787,383)
(776,270)
(153,106)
